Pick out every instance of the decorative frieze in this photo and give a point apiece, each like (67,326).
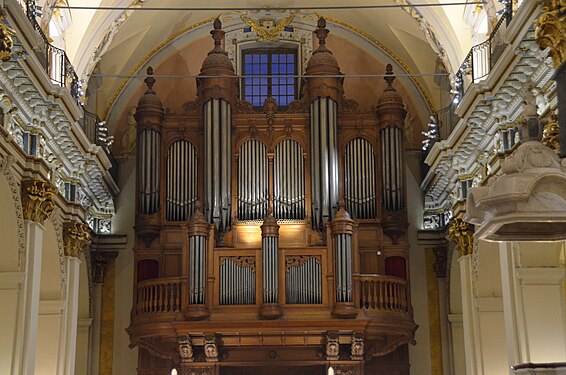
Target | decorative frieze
(37,200)
(75,237)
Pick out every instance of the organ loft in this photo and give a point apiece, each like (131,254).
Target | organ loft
(271,228)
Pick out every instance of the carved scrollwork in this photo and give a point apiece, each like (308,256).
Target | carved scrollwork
(551,134)
(241,261)
(243,106)
(151,348)
(299,260)
(298,106)
(193,106)
(551,29)
(349,105)
(37,200)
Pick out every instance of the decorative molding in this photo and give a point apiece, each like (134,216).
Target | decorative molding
(299,260)
(76,237)
(37,199)
(6,163)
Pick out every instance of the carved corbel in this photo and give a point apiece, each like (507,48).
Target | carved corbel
(76,236)
(332,346)
(462,234)
(185,349)
(37,200)
(210,348)
(357,347)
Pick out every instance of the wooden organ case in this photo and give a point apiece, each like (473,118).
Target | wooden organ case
(271,238)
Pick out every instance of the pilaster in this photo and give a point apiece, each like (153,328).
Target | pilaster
(37,205)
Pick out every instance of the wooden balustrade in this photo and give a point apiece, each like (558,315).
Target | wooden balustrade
(159,296)
(378,292)
(373,293)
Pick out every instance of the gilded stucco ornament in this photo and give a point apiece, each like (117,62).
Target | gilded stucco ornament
(37,200)
(551,134)
(6,42)
(551,29)
(75,236)
(268,29)
(462,234)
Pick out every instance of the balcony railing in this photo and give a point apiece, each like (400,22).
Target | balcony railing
(481,59)
(382,293)
(54,60)
(159,296)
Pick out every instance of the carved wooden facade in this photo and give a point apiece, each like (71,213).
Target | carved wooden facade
(272,237)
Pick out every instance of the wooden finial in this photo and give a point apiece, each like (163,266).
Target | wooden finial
(217,35)
(389,78)
(217,24)
(149,81)
(321,33)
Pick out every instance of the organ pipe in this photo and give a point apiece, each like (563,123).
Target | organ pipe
(391,114)
(289,181)
(237,281)
(217,92)
(323,93)
(218,151)
(253,181)
(197,233)
(342,243)
(270,255)
(149,116)
(359,186)
(181,186)
(303,280)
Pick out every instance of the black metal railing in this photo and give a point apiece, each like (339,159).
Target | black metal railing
(481,59)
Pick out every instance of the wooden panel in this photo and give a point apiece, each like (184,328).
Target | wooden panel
(172,265)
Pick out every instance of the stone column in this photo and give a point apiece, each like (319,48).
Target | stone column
(462,234)
(37,204)
(440,267)
(75,237)
(551,33)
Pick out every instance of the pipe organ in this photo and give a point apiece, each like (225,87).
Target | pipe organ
(296,203)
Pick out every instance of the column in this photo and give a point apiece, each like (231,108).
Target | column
(461,233)
(75,237)
(37,204)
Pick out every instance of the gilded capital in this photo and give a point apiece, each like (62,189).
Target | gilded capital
(75,237)
(37,200)
(6,42)
(551,29)
(462,234)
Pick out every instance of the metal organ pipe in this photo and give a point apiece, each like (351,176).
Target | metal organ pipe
(359,186)
(392,168)
(253,181)
(324,161)
(303,281)
(149,163)
(237,281)
(289,181)
(217,119)
(342,231)
(181,181)
(270,252)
